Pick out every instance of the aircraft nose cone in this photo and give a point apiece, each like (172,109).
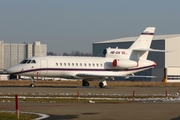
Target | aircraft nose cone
(10,70)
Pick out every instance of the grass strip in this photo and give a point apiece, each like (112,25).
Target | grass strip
(12,116)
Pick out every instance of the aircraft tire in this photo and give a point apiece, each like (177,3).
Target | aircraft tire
(32,85)
(85,83)
(101,85)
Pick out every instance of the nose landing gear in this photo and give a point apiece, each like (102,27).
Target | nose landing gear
(32,83)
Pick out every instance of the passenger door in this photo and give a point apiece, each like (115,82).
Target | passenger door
(44,68)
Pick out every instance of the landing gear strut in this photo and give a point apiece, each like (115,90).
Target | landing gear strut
(85,83)
(32,83)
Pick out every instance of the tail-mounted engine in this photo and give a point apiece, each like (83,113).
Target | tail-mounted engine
(124,64)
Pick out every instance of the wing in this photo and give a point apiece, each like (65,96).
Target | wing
(90,76)
(105,76)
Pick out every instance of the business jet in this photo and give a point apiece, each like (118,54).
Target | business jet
(115,63)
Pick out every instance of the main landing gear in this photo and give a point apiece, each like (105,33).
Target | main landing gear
(102,84)
(85,83)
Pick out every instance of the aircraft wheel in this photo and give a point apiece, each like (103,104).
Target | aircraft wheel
(32,85)
(101,85)
(85,83)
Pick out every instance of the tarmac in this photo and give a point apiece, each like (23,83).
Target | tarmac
(167,110)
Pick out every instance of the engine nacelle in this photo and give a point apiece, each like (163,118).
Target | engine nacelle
(124,64)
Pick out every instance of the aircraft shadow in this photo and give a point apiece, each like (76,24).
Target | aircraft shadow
(178,118)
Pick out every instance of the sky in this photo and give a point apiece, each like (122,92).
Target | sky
(67,25)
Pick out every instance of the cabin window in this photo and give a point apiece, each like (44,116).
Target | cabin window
(76,64)
(64,64)
(93,64)
(101,65)
(56,64)
(97,65)
(80,64)
(84,64)
(60,64)
(72,64)
(68,64)
(89,64)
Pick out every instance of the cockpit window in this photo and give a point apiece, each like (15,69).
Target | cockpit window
(29,61)
(33,61)
(24,61)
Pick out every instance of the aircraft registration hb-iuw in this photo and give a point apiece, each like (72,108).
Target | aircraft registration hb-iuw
(116,63)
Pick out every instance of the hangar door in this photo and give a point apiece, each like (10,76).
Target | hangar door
(173,74)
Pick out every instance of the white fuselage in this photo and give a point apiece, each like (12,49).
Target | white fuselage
(116,63)
(71,66)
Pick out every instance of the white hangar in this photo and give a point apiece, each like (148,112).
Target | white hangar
(13,53)
(169,60)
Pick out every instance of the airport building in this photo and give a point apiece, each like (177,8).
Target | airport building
(168,63)
(13,53)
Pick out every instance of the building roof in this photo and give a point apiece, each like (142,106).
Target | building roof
(130,39)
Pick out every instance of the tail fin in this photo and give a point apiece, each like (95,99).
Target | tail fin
(143,42)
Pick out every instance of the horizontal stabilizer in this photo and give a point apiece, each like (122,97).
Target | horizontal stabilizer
(151,50)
